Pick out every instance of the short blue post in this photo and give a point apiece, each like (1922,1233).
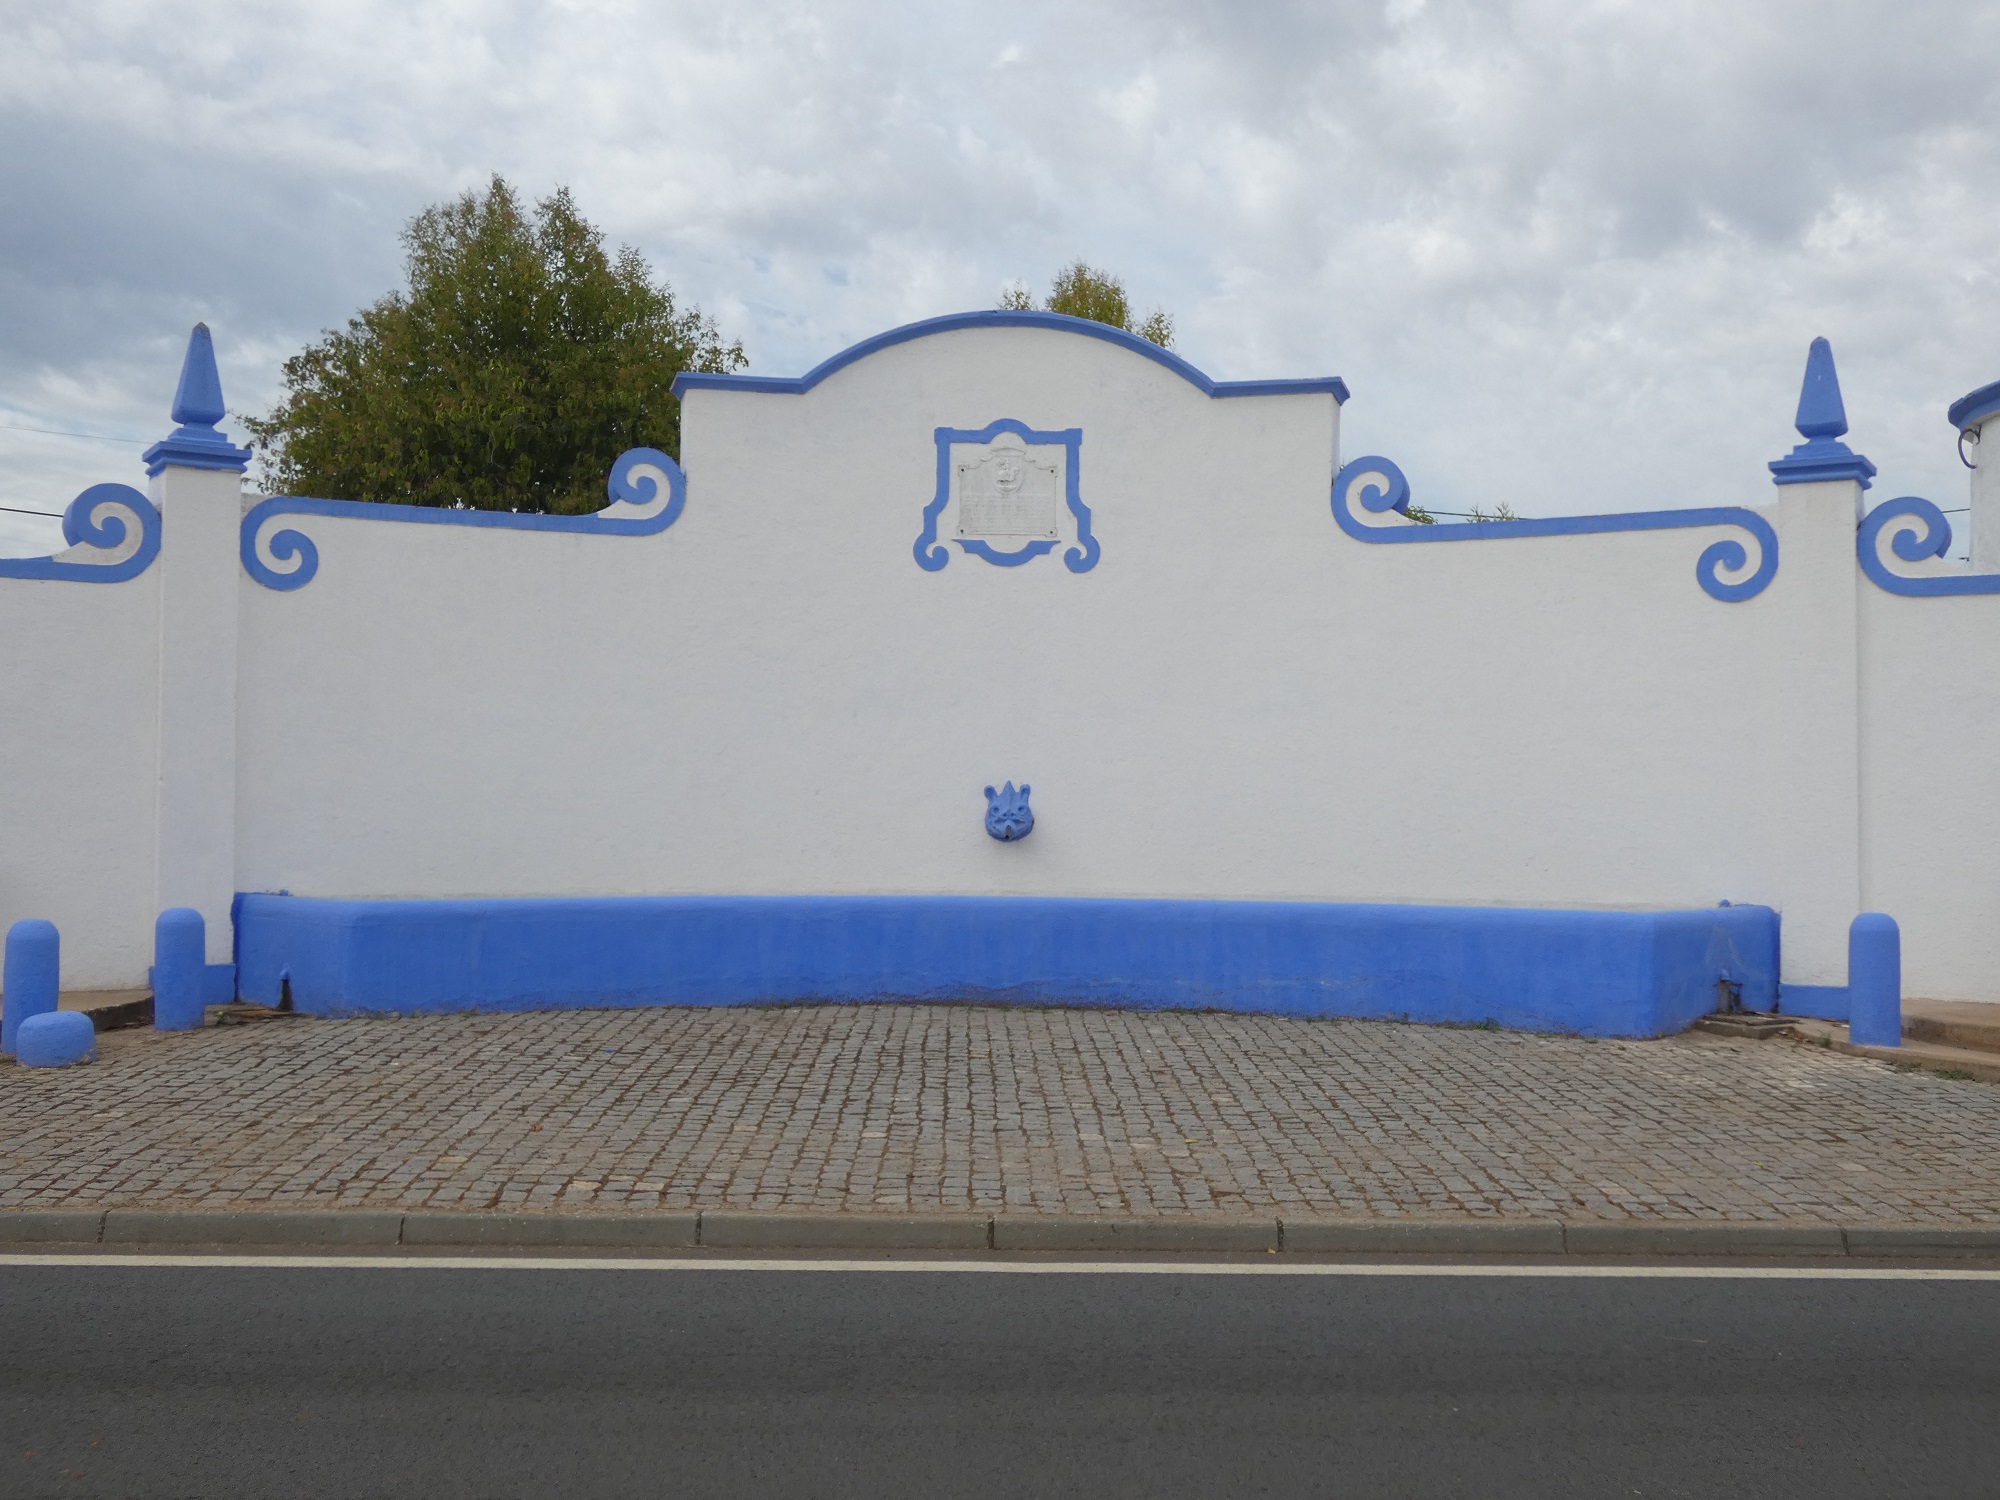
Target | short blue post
(1874,981)
(32,977)
(180,963)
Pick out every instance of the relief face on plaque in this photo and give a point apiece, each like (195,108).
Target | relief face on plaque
(1006,495)
(1008,492)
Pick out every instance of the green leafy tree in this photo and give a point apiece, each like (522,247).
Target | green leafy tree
(1083,291)
(520,362)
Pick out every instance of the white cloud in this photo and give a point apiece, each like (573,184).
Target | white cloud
(1568,256)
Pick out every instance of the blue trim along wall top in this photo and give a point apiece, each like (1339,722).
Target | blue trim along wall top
(690,380)
(1974,407)
(1081,558)
(624,486)
(82,527)
(1381,487)
(1920,532)
(1598,973)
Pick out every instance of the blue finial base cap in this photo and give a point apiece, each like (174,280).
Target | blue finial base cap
(1819,460)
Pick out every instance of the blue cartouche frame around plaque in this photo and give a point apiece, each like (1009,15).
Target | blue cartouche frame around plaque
(932,555)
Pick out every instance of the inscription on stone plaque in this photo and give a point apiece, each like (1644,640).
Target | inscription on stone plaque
(1008,491)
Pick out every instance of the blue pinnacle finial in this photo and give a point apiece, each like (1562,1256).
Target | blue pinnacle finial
(198,401)
(1821,420)
(1821,414)
(195,444)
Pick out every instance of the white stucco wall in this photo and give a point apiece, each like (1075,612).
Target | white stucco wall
(1930,748)
(1238,700)
(80,662)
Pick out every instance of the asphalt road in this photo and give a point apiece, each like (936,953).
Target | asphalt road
(164,1381)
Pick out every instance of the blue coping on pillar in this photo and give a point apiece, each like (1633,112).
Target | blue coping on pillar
(56,1039)
(1875,981)
(198,406)
(1598,973)
(1974,407)
(798,385)
(1821,419)
(1376,485)
(32,978)
(183,979)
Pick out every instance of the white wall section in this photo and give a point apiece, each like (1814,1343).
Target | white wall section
(1235,699)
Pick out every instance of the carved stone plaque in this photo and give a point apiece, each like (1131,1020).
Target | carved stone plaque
(1007,491)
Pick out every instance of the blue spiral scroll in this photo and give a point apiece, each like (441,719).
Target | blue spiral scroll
(1917,531)
(1377,485)
(932,555)
(636,509)
(92,521)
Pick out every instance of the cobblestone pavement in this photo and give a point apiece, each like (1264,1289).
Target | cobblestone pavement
(947,1107)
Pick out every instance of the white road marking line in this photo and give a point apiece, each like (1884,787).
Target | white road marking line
(1008,1268)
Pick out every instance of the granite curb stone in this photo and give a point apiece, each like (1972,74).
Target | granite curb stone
(1706,1239)
(1102,1232)
(251,1226)
(1423,1237)
(65,1226)
(1921,1240)
(666,1230)
(751,1229)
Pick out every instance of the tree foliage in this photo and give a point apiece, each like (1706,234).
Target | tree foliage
(1083,291)
(520,362)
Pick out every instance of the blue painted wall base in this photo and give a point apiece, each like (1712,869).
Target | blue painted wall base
(1596,973)
(183,980)
(1872,1000)
(1820,1002)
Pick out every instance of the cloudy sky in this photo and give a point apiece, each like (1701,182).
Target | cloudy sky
(1567,254)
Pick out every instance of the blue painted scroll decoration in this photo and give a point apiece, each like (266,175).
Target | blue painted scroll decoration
(113,533)
(1014,491)
(1372,486)
(647,491)
(1008,816)
(1916,530)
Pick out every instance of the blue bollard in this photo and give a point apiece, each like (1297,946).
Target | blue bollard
(1874,981)
(32,976)
(56,1039)
(180,969)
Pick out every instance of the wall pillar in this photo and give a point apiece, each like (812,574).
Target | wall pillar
(195,482)
(1977,418)
(1814,779)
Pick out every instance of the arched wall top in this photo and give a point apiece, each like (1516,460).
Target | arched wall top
(798,385)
